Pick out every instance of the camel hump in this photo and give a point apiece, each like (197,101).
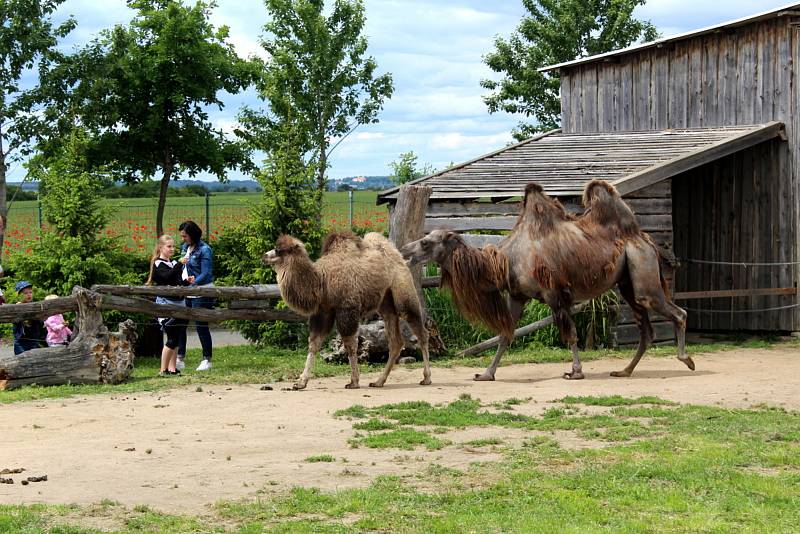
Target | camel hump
(605,206)
(342,242)
(379,242)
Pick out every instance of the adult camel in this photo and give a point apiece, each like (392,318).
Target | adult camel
(557,258)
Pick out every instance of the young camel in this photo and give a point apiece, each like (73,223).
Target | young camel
(558,259)
(353,279)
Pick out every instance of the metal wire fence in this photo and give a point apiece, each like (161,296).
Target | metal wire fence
(133,219)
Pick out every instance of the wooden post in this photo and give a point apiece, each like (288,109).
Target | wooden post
(95,355)
(407,224)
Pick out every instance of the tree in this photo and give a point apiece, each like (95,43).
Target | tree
(290,204)
(317,78)
(73,251)
(28,40)
(143,89)
(556,31)
(405,168)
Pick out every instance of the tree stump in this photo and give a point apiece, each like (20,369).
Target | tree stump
(95,356)
(373,345)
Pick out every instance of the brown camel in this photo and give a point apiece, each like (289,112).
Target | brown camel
(354,278)
(558,259)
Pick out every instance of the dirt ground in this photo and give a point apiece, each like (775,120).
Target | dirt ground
(181,450)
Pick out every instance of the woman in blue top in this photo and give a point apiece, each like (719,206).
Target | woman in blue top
(199,262)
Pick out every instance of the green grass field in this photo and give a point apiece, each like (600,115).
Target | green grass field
(133,219)
(655,466)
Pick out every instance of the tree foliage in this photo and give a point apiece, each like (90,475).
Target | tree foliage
(27,42)
(318,78)
(143,91)
(290,204)
(73,251)
(406,168)
(555,31)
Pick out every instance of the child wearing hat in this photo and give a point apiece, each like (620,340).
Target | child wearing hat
(28,333)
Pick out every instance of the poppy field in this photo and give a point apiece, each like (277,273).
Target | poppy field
(133,219)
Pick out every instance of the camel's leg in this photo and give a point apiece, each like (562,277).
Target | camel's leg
(395,338)
(642,321)
(347,325)
(678,317)
(319,327)
(560,302)
(415,321)
(646,277)
(515,306)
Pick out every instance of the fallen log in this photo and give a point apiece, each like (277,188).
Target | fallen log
(95,355)
(519,332)
(373,346)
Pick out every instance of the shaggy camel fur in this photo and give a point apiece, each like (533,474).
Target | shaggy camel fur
(559,259)
(353,279)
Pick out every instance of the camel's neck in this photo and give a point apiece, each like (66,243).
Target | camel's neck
(479,268)
(300,284)
(476,279)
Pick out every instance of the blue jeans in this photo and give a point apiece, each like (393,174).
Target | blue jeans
(202,328)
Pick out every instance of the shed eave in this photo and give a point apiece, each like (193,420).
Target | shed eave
(564,163)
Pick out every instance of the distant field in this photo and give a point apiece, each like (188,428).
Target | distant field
(135,218)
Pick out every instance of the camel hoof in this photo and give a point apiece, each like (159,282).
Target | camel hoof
(425,382)
(351,386)
(298,386)
(483,378)
(621,374)
(574,375)
(689,362)
(373,385)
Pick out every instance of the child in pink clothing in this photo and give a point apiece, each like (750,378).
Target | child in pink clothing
(57,330)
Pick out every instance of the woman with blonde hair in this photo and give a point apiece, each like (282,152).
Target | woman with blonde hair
(164,271)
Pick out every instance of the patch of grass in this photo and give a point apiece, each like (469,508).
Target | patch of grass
(706,470)
(402,438)
(484,442)
(374,424)
(320,458)
(614,400)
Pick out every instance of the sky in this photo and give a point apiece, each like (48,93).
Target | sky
(434,50)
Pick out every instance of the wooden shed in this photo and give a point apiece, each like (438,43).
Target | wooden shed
(699,133)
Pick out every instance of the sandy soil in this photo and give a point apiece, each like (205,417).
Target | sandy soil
(182,450)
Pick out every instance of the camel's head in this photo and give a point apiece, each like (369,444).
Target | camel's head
(436,246)
(285,247)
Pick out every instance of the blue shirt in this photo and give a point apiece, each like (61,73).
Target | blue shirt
(201,263)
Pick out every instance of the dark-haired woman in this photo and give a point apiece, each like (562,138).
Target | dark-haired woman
(198,260)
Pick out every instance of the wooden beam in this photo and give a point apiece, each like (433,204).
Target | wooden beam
(11,313)
(406,224)
(263,291)
(135,305)
(696,158)
(519,332)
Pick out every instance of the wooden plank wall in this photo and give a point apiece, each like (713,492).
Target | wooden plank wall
(653,208)
(731,210)
(735,76)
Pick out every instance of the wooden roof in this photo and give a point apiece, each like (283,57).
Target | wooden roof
(788,9)
(564,163)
